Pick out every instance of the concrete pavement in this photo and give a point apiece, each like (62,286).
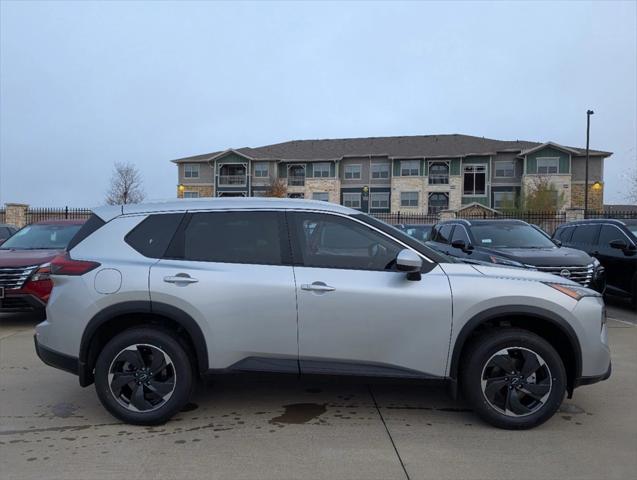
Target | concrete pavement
(286,428)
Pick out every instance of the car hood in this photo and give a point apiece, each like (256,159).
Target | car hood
(544,257)
(24,258)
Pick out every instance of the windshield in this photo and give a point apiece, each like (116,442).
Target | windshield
(510,236)
(33,237)
(633,228)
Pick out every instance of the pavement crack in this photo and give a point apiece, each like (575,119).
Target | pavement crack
(391,439)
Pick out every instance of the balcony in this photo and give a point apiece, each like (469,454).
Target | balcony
(232,180)
(296,180)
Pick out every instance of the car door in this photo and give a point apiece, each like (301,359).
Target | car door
(357,313)
(231,272)
(615,261)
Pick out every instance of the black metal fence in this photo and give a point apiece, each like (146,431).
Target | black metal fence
(64,213)
(407,218)
(547,221)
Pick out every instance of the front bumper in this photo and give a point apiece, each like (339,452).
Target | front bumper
(22,303)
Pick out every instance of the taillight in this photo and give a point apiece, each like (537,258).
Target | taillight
(39,284)
(65,265)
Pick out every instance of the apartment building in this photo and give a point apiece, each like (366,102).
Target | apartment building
(390,174)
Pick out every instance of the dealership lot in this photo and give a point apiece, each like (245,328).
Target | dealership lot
(312,428)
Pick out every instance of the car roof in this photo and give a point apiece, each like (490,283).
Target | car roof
(595,221)
(492,221)
(221,203)
(59,222)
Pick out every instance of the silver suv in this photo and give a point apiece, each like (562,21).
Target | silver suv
(150,297)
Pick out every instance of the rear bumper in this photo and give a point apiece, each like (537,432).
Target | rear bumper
(581,381)
(56,359)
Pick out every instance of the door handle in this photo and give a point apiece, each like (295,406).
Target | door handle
(317,287)
(180,278)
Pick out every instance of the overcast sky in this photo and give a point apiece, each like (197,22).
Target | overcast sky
(84,85)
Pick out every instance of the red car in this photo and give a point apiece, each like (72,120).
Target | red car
(24,288)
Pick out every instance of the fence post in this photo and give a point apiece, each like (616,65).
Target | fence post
(572,214)
(398,222)
(16,214)
(446,215)
(66,212)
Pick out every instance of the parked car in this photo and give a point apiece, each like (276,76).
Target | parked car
(151,296)
(418,231)
(6,231)
(515,243)
(24,289)
(614,244)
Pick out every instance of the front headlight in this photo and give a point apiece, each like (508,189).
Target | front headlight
(573,291)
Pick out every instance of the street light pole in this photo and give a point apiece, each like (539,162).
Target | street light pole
(588,133)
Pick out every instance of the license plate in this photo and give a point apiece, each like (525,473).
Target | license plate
(1,293)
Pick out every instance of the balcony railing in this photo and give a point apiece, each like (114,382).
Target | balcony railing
(439,179)
(232,179)
(296,180)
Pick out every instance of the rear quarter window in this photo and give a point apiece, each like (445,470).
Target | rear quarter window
(89,227)
(153,235)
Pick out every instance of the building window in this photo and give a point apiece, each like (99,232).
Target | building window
(547,165)
(296,195)
(261,170)
(409,168)
(190,194)
(352,172)
(409,199)
(321,170)
(322,196)
(438,202)
(438,173)
(380,170)
(475,179)
(379,199)
(259,193)
(191,170)
(503,200)
(352,200)
(505,169)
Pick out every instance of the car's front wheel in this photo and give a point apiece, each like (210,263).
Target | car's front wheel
(513,378)
(143,376)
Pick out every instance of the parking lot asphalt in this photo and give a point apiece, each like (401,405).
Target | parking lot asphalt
(238,428)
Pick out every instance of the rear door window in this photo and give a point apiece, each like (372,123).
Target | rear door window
(443,234)
(564,234)
(232,237)
(585,234)
(152,236)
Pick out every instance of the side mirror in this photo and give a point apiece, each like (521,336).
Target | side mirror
(557,242)
(619,244)
(461,245)
(408,261)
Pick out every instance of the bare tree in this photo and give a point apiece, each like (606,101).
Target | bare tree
(126,185)
(278,188)
(631,194)
(542,195)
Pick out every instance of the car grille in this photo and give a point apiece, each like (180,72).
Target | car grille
(13,278)
(582,275)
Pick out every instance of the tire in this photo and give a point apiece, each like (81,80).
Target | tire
(513,401)
(143,376)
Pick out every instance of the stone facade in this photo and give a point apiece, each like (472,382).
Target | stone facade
(595,196)
(203,190)
(330,185)
(408,184)
(562,184)
(16,214)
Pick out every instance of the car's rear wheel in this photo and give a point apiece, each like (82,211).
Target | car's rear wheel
(143,376)
(513,378)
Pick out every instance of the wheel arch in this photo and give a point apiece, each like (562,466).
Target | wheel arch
(547,324)
(121,316)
